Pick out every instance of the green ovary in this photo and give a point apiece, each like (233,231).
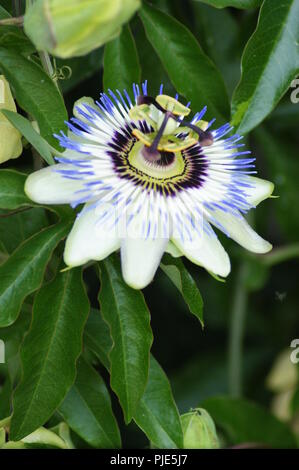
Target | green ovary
(160,170)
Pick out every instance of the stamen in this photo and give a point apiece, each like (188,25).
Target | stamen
(205,137)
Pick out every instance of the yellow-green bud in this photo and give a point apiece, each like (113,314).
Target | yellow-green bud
(68,28)
(10,137)
(199,430)
(283,375)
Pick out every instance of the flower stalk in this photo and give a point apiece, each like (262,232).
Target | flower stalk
(15,21)
(237,326)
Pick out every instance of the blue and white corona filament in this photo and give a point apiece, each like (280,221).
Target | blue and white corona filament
(151,181)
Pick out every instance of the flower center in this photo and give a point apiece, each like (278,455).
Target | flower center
(165,164)
(164,116)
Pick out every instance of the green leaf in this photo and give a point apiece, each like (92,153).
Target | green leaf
(219,33)
(16,228)
(157,414)
(35,93)
(44,437)
(4,13)
(12,194)
(50,351)
(175,269)
(193,74)
(243,4)
(150,64)
(121,63)
(87,409)
(269,64)
(23,272)
(12,37)
(125,310)
(26,129)
(97,337)
(246,422)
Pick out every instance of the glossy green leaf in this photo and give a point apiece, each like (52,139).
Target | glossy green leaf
(12,37)
(23,272)
(97,337)
(12,194)
(243,4)
(15,228)
(150,64)
(50,351)
(218,31)
(26,129)
(246,422)
(35,93)
(157,414)
(270,62)
(44,437)
(175,269)
(87,409)
(121,63)
(190,70)
(125,310)
(4,13)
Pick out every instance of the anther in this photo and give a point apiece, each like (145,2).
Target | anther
(205,137)
(142,99)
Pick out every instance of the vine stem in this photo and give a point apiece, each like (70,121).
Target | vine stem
(236,334)
(14,21)
(47,64)
(44,56)
(279,255)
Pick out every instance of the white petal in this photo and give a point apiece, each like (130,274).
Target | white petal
(205,250)
(173,250)
(89,239)
(46,186)
(240,231)
(140,259)
(260,190)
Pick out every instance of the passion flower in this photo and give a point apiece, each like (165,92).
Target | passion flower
(151,181)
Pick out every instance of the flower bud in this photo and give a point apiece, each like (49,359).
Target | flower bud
(71,28)
(10,137)
(199,430)
(283,375)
